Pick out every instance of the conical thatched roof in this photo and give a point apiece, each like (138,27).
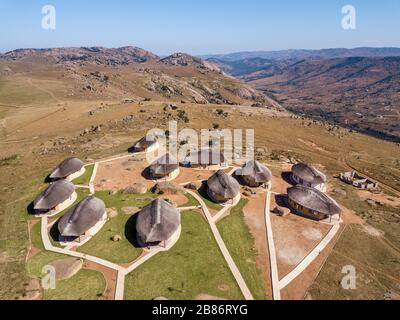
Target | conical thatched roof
(82,217)
(254,173)
(205,157)
(157,222)
(55,194)
(146,142)
(164,165)
(221,187)
(66,168)
(308,174)
(313,199)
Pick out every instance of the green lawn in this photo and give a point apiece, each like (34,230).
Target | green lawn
(193,266)
(85,285)
(210,204)
(192,202)
(36,236)
(240,244)
(126,250)
(37,262)
(85,178)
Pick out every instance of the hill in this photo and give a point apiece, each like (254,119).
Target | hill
(359,92)
(127,73)
(299,54)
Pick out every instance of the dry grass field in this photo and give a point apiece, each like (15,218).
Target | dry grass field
(45,118)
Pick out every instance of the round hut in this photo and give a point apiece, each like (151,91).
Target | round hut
(206,159)
(58,196)
(254,174)
(83,220)
(148,143)
(222,187)
(312,203)
(69,169)
(166,167)
(308,176)
(159,222)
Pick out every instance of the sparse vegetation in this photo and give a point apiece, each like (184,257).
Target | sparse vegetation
(10,160)
(240,244)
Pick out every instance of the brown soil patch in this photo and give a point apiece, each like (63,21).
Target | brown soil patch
(351,217)
(110,276)
(67,268)
(379,197)
(192,174)
(254,213)
(295,237)
(279,185)
(178,198)
(298,288)
(120,174)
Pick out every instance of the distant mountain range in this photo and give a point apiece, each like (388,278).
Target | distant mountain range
(358,88)
(304,54)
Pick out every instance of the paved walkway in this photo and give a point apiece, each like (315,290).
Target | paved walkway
(232,266)
(276,293)
(93,177)
(310,258)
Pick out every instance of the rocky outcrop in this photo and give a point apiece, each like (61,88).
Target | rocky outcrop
(186,60)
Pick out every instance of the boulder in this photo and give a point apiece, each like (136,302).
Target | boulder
(194,185)
(166,187)
(281,211)
(66,268)
(116,238)
(112,212)
(137,188)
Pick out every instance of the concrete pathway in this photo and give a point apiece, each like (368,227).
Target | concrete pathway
(310,258)
(220,214)
(276,293)
(93,177)
(232,266)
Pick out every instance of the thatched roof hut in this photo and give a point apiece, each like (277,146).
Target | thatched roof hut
(66,168)
(79,219)
(308,176)
(164,166)
(312,202)
(146,143)
(157,222)
(254,174)
(221,187)
(55,194)
(205,158)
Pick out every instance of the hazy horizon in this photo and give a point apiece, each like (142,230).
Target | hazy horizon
(199,28)
(204,54)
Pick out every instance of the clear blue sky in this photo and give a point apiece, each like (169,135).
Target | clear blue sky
(199,27)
